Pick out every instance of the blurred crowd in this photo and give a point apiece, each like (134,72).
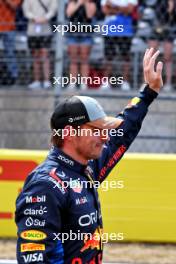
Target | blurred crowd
(152,21)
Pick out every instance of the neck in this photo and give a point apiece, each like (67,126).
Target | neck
(74,155)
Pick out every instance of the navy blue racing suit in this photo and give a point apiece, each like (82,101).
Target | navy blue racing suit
(58,218)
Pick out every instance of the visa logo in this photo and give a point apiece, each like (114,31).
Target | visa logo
(36,257)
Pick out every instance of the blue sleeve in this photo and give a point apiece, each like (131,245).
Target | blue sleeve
(38,217)
(132,118)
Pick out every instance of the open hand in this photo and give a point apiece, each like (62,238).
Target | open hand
(151,76)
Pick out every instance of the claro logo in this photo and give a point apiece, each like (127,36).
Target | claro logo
(68,161)
(41,211)
(33,235)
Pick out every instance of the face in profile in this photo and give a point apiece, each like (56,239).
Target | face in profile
(90,145)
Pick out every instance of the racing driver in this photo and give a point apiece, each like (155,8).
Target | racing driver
(59,218)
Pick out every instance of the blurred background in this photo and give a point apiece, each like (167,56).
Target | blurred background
(33,54)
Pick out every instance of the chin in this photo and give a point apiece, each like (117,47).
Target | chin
(97,154)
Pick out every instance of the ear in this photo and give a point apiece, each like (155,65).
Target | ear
(69,132)
(68,136)
(66,132)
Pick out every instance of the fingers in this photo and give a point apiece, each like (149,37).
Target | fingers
(144,59)
(147,56)
(151,76)
(153,59)
(159,67)
(149,61)
(150,57)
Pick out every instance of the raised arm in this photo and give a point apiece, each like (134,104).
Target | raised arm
(132,117)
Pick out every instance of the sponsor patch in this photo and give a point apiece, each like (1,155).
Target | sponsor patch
(133,102)
(94,242)
(34,222)
(61,174)
(36,199)
(36,257)
(32,247)
(66,160)
(42,210)
(88,219)
(76,186)
(33,235)
(81,200)
(57,181)
(117,155)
